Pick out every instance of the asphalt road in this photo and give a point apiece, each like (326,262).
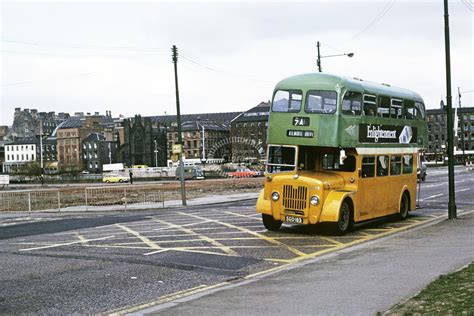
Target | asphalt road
(97,263)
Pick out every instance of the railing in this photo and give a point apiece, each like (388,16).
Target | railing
(125,196)
(30,200)
(83,199)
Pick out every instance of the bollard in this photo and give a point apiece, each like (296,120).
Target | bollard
(29,202)
(85,194)
(59,201)
(125,197)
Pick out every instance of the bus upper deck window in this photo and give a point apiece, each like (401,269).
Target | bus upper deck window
(351,104)
(287,101)
(409,109)
(420,110)
(370,105)
(318,101)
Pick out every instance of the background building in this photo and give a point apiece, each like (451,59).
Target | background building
(19,153)
(97,151)
(141,141)
(251,128)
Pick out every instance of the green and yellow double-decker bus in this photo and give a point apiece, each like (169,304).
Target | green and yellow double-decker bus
(341,151)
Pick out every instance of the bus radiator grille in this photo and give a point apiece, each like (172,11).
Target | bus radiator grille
(294,198)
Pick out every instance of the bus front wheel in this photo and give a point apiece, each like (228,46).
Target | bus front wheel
(343,225)
(270,223)
(404,207)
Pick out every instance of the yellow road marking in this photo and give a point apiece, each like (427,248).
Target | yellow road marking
(242,215)
(331,240)
(145,240)
(219,245)
(266,238)
(174,225)
(66,243)
(202,288)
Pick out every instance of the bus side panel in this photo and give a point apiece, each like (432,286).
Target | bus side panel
(263,206)
(332,205)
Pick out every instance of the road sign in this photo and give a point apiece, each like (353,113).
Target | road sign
(177,148)
(4,179)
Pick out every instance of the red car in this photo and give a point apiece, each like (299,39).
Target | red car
(243,173)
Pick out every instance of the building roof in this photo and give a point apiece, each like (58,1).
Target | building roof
(258,113)
(198,125)
(71,123)
(94,137)
(224,117)
(27,141)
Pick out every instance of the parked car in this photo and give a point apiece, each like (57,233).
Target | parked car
(111,178)
(243,173)
(190,172)
(421,171)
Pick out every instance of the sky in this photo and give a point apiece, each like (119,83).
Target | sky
(91,56)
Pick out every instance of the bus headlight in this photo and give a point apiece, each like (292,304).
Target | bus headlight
(314,200)
(275,196)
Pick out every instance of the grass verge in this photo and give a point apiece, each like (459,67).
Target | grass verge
(451,294)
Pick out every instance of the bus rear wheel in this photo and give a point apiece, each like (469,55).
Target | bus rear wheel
(344,223)
(270,223)
(404,206)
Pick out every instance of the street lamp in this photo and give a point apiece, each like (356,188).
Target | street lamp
(156,154)
(318,61)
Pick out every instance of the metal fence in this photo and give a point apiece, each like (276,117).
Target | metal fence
(33,200)
(125,196)
(83,199)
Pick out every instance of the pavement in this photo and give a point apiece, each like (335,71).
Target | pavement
(360,280)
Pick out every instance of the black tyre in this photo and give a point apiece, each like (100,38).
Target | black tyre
(344,224)
(120,180)
(270,223)
(404,206)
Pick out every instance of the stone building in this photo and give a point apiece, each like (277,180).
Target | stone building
(142,142)
(216,134)
(249,134)
(70,135)
(97,151)
(194,133)
(465,128)
(438,134)
(19,153)
(3,131)
(29,123)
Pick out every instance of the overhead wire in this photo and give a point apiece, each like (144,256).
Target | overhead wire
(468,4)
(377,18)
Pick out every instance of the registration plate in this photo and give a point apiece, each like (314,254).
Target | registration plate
(294,219)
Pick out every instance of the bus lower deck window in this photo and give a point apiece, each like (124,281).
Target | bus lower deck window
(368,167)
(382,166)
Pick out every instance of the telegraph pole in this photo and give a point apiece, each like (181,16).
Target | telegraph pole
(41,152)
(318,61)
(449,113)
(462,126)
(178,119)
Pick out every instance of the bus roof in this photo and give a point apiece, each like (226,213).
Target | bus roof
(333,82)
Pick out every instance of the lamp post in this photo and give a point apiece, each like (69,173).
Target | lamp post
(41,152)
(318,61)
(156,154)
(452,209)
